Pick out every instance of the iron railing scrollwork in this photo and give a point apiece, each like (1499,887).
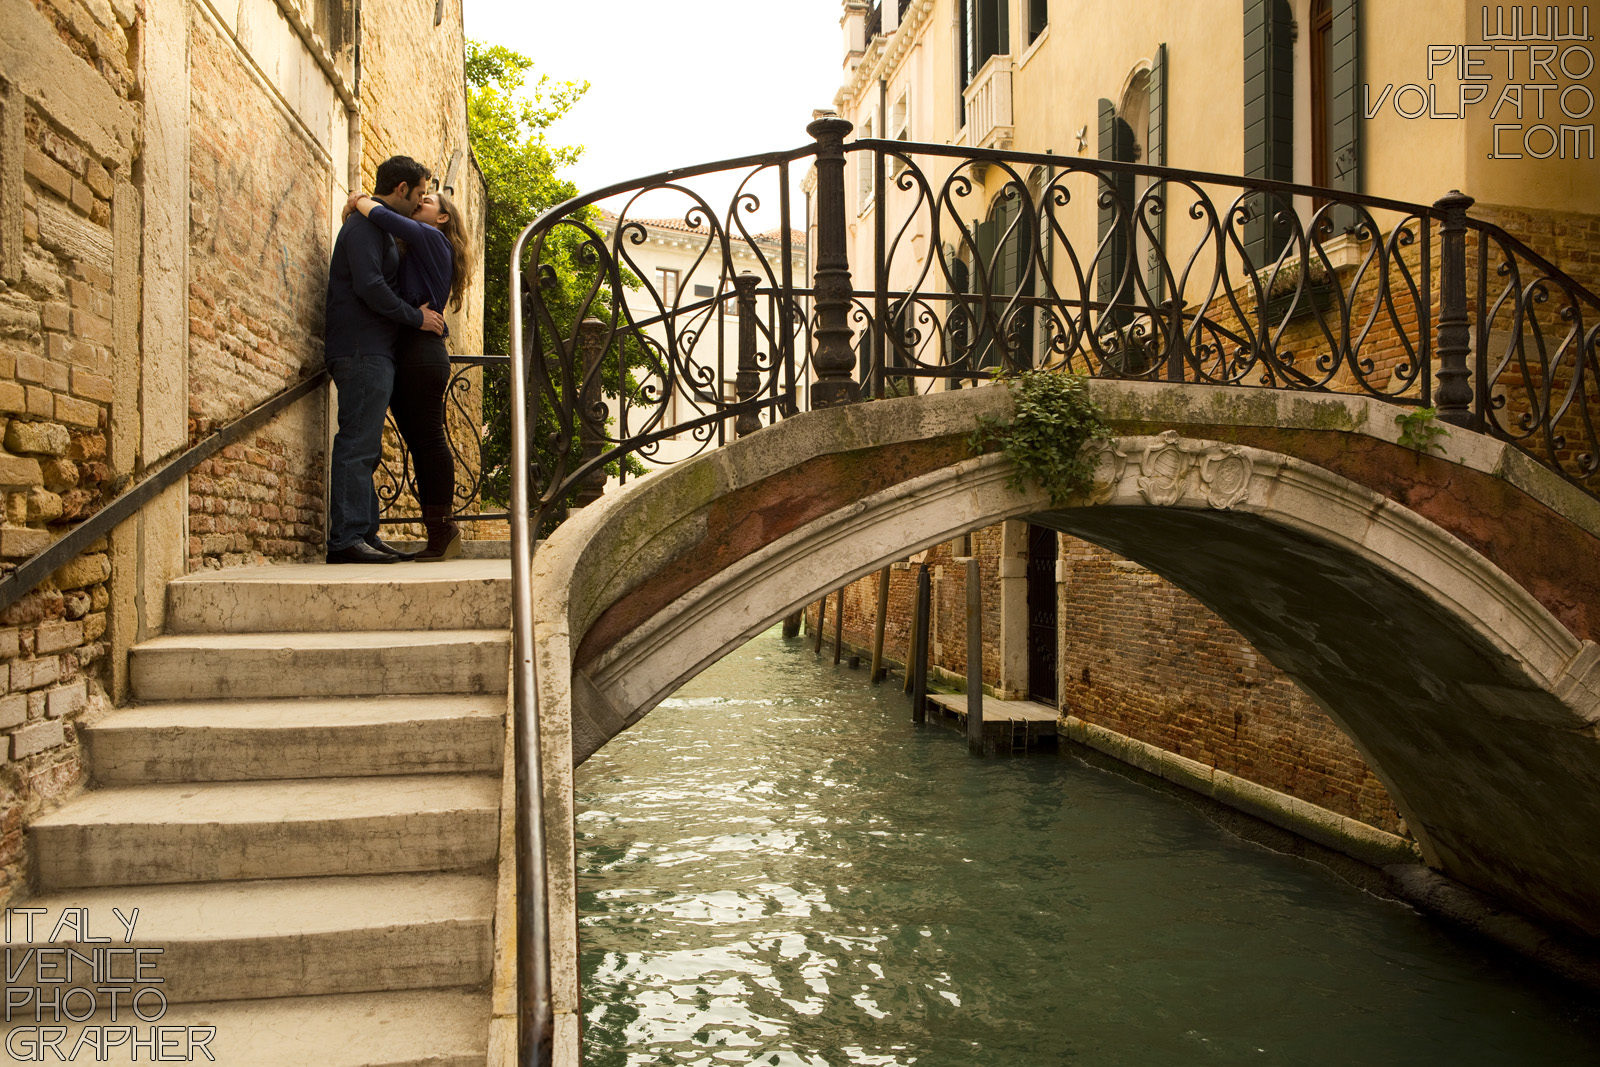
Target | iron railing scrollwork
(466,424)
(977,262)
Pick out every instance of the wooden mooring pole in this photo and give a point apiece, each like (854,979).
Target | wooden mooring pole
(878,625)
(822,620)
(974,659)
(919,663)
(838,626)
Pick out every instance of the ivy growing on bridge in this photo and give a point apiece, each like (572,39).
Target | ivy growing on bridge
(1053,418)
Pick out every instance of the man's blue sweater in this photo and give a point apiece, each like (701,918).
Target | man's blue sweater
(365,313)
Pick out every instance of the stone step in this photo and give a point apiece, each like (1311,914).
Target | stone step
(434,1028)
(358,663)
(461,594)
(307,738)
(246,940)
(215,831)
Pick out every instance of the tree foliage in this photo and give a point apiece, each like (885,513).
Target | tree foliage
(509,114)
(508,120)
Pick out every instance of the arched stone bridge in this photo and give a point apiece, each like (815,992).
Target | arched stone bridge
(1443,609)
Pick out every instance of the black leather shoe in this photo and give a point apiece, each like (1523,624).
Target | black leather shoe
(360,553)
(387,549)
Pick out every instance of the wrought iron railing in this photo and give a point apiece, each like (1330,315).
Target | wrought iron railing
(475,381)
(975,262)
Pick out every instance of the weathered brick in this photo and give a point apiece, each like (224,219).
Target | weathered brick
(19,542)
(43,505)
(41,402)
(94,626)
(91,327)
(92,386)
(13,710)
(47,172)
(84,571)
(54,315)
(20,470)
(82,198)
(9,642)
(33,673)
(40,737)
(75,412)
(29,367)
(67,700)
(13,398)
(59,474)
(99,180)
(39,438)
(58,636)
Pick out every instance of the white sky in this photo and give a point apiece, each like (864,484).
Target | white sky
(672,84)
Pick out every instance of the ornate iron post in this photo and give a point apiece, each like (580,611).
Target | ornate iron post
(834,360)
(1454,396)
(591,349)
(747,383)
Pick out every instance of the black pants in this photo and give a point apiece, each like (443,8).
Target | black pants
(421,376)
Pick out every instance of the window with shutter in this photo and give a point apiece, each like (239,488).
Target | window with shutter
(1114,287)
(1268,118)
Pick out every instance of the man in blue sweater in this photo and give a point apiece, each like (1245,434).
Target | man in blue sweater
(364,319)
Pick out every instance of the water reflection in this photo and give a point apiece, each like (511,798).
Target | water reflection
(776,867)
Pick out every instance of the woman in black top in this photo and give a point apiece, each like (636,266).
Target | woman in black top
(433,271)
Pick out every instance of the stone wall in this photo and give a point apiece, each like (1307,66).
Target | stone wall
(1138,656)
(67,219)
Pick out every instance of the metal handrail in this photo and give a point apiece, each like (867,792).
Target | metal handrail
(535,1018)
(22,581)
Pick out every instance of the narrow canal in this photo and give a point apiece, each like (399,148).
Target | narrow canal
(777,867)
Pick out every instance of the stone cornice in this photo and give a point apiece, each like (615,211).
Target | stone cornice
(884,53)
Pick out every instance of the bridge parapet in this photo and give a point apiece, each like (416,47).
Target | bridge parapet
(1114,270)
(1456,652)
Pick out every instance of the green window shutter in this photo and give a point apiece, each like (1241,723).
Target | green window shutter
(1344,103)
(1268,114)
(986,238)
(1115,144)
(1155,279)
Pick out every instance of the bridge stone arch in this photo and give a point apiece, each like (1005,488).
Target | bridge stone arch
(1439,608)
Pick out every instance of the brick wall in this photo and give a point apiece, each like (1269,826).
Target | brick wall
(1142,658)
(57,348)
(258,262)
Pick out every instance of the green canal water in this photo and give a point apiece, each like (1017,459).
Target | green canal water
(777,867)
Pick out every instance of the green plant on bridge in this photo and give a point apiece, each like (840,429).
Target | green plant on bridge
(1419,430)
(1053,418)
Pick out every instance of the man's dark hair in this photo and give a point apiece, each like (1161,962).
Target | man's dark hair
(398,169)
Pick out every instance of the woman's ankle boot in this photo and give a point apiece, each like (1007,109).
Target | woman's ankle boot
(444,536)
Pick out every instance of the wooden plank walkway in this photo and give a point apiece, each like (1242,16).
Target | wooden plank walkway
(1008,725)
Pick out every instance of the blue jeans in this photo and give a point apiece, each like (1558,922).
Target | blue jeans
(364,382)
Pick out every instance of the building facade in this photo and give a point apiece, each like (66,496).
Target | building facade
(171,177)
(1405,102)
(691,369)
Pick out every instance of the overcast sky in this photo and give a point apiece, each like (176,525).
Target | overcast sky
(673,84)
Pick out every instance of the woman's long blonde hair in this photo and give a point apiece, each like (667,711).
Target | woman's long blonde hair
(455,231)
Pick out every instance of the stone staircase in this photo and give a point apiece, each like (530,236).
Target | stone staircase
(304,806)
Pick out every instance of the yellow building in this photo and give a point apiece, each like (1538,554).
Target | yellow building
(1402,101)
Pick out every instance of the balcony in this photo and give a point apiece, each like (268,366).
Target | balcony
(988,98)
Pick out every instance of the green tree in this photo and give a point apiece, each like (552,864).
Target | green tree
(508,116)
(507,121)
